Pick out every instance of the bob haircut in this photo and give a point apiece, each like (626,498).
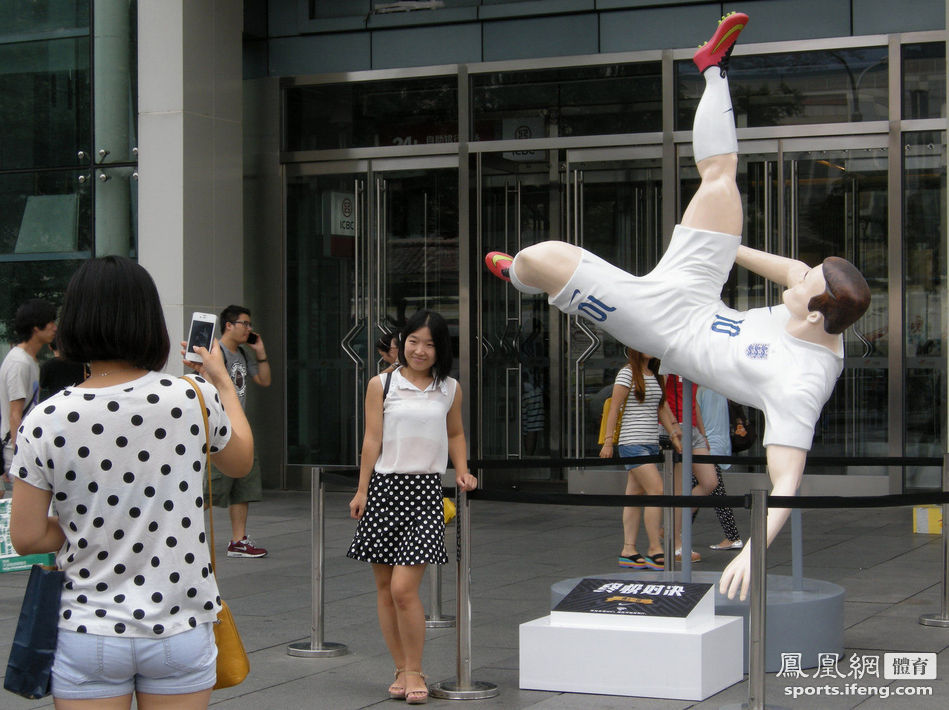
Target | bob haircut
(35,313)
(846,297)
(440,336)
(111,311)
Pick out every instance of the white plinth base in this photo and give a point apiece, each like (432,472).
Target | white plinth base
(691,664)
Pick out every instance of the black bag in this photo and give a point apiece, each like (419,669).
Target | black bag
(34,642)
(740,429)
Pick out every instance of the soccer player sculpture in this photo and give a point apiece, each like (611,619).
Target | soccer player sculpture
(783,360)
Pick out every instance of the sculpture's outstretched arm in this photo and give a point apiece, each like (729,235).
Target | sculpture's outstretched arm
(786,468)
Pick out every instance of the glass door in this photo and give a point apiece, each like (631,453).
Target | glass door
(368,244)
(614,201)
(516,412)
(809,199)
(837,206)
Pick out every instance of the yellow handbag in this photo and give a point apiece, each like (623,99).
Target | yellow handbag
(233,665)
(449,506)
(604,416)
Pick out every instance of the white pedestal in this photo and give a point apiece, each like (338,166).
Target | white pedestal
(675,662)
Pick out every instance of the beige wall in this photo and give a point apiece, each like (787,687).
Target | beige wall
(190,131)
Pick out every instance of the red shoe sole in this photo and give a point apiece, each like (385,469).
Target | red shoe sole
(712,52)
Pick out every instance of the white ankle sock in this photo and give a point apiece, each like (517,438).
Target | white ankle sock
(518,284)
(713,129)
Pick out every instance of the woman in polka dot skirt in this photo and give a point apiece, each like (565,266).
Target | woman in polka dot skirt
(413,426)
(121,457)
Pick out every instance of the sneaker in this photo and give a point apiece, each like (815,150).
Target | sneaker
(716,51)
(634,561)
(498,264)
(245,548)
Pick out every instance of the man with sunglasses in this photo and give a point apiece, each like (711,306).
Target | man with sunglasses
(236,494)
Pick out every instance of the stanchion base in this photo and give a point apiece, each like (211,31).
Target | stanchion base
(934,620)
(302,649)
(452,690)
(442,622)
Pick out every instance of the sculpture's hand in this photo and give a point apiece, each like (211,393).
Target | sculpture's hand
(737,575)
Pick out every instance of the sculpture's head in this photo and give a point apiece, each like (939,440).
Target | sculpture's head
(845,296)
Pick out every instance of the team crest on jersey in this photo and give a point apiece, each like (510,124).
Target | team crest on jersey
(757,351)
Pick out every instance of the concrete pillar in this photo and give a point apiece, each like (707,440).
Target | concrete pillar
(190,185)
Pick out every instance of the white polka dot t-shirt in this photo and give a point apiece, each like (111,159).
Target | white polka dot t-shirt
(126,466)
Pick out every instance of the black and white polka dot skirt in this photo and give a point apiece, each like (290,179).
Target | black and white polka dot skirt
(403,523)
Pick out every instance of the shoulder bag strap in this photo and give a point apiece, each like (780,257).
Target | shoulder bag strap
(385,388)
(207,462)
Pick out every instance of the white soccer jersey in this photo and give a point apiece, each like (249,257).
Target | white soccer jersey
(675,312)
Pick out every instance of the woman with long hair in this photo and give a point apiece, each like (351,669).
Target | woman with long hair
(122,458)
(413,426)
(640,386)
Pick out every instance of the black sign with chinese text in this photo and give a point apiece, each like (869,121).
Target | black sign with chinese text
(630,598)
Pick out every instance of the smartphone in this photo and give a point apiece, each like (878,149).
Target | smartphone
(252,338)
(201,334)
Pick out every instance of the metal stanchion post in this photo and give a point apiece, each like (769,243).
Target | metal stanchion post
(797,550)
(668,513)
(316,647)
(464,688)
(758,604)
(942,618)
(435,618)
(687,425)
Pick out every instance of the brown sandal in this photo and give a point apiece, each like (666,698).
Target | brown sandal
(416,697)
(397,692)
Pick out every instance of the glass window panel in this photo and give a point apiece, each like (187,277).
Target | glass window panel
(924,80)
(575,101)
(116,82)
(924,279)
(45,108)
(826,86)
(38,16)
(377,113)
(44,213)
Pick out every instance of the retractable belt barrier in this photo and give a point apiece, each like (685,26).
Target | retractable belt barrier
(757,501)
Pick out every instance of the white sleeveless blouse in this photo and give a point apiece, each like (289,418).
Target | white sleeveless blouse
(415,426)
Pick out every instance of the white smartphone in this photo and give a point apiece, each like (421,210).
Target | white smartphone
(201,334)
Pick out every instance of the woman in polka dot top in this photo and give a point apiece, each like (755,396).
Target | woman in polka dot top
(121,457)
(413,426)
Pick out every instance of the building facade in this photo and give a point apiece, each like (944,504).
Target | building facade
(337,165)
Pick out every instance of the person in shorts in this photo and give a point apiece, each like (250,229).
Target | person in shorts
(236,494)
(639,385)
(784,360)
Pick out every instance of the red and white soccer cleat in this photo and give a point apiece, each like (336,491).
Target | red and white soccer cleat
(498,264)
(716,51)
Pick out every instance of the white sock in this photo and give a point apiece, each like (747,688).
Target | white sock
(517,283)
(713,129)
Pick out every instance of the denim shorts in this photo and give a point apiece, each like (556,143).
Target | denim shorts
(626,450)
(90,666)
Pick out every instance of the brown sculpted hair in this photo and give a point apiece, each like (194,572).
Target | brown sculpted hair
(846,298)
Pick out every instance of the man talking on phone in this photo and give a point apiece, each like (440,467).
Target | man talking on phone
(236,494)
